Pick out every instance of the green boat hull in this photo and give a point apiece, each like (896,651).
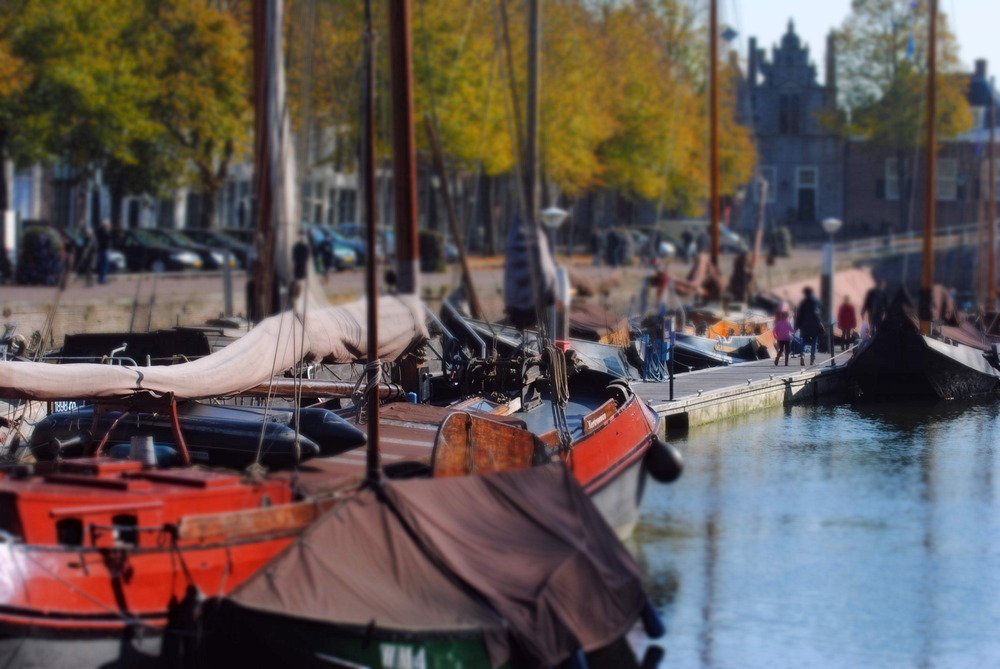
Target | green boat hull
(263,638)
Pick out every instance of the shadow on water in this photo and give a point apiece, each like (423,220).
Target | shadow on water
(831,536)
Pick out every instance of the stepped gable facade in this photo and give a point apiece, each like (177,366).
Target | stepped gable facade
(800,159)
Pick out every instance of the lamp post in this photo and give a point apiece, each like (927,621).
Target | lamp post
(830,225)
(552,218)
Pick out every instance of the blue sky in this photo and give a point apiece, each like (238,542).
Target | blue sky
(767,20)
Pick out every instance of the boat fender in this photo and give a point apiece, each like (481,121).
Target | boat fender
(652,657)
(651,622)
(331,432)
(620,391)
(664,461)
(82,438)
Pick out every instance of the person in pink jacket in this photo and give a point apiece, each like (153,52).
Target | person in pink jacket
(783,332)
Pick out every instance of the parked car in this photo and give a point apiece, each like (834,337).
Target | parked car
(353,243)
(385,246)
(74,241)
(320,238)
(220,240)
(730,241)
(146,252)
(211,257)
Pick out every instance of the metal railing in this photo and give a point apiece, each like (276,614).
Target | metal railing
(955,235)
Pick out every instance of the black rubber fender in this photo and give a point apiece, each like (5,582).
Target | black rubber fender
(664,462)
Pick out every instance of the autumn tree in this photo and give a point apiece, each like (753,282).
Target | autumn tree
(882,72)
(13,75)
(85,100)
(199,61)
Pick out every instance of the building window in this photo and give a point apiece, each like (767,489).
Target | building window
(947,179)
(806,177)
(769,174)
(806,182)
(789,114)
(980,118)
(891,179)
(984,180)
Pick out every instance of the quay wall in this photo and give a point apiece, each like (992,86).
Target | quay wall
(761,389)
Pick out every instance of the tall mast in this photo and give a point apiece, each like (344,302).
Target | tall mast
(371,269)
(534,95)
(531,229)
(404,157)
(991,209)
(930,176)
(713,128)
(263,177)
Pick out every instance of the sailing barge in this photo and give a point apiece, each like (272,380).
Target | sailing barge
(901,363)
(101,552)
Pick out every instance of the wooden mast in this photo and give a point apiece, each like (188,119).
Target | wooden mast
(991,209)
(404,157)
(374,466)
(263,275)
(713,125)
(930,177)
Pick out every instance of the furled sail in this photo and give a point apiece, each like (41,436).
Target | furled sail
(332,335)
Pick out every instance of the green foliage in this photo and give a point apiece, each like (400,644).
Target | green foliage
(155,93)
(883,87)
(883,90)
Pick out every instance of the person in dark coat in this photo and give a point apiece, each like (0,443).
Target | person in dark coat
(810,324)
(687,244)
(875,305)
(103,246)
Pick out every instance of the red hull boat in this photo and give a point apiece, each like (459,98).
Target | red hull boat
(101,555)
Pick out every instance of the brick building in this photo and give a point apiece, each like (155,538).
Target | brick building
(873,204)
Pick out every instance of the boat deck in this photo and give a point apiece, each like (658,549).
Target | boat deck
(407,433)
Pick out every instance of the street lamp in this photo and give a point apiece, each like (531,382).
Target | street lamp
(552,218)
(830,225)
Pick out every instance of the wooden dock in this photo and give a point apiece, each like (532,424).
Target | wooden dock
(718,392)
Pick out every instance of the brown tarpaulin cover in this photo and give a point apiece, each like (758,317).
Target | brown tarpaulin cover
(523,556)
(333,334)
(590,321)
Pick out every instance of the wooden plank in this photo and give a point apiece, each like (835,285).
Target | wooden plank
(471,444)
(252,521)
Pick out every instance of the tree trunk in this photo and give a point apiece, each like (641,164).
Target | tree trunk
(211,185)
(117,189)
(209,192)
(3,172)
(903,189)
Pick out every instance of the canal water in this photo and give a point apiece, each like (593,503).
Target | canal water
(831,536)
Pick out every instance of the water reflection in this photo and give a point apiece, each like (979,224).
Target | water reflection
(832,536)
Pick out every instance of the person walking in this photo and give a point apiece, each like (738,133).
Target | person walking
(875,305)
(687,244)
(810,324)
(84,264)
(783,332)
(847,319)
(103,246)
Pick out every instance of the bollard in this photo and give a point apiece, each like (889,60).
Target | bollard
(143,450)
(833,351)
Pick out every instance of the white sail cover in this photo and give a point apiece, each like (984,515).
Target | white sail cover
(332,335)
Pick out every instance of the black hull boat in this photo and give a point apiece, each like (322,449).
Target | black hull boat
(901,363)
